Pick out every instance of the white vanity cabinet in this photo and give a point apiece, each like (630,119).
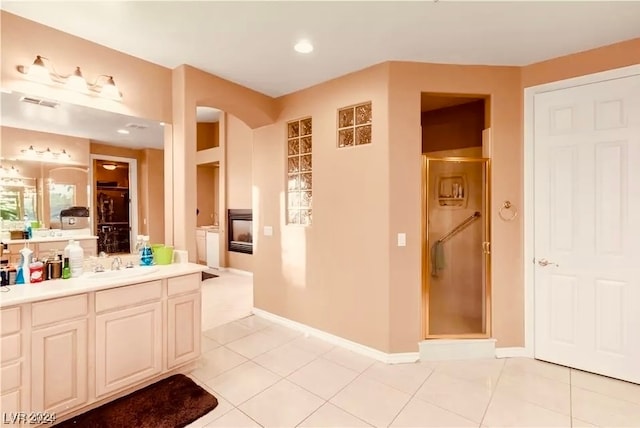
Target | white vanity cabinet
(63,355)
(128,336)
(14,393)
(183,319)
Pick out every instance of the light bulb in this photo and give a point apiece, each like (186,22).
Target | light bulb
(76,81)
(38,71)
(110,90)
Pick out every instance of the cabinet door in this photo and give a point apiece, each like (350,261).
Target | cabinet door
(183,329)
(128,347)
(59,367)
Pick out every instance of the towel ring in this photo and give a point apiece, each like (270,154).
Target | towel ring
(507,206)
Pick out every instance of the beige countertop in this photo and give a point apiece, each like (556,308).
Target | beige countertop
(89,281)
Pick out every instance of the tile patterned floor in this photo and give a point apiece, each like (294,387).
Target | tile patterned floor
(266,375)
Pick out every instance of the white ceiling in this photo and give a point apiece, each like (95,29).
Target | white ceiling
(251,42)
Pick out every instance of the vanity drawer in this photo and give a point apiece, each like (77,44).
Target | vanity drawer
(10,320)
(10,376)
(65,308)
(44,248)
(11,349)
(183,284)
(129,295)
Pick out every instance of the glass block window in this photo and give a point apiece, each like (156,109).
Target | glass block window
(354,125)
(299,171)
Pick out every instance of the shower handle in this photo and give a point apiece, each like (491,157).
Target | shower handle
(486,247)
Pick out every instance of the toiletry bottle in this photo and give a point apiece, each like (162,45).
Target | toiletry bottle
(25,261)
(146,256)
(76,259)
(66,270)
(36,271)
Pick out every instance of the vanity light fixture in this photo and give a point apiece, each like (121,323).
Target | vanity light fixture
(9,172)
(47,154)
(40,72)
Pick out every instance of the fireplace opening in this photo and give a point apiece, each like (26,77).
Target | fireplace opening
(240,231)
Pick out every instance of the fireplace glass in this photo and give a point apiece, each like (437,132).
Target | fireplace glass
(240,231)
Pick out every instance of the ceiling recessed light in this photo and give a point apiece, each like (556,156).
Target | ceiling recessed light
(303,46)
(123,131)
(162,124)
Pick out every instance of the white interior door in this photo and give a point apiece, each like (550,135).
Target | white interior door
(587,227)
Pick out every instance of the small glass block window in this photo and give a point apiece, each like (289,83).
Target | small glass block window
(299,171)
(354,125)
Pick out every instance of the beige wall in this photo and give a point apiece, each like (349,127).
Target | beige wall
(146,87)
(333,275)
(207,135)
(207,194)
(239,158)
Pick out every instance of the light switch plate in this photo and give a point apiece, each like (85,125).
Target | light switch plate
(268,231)
(402,239)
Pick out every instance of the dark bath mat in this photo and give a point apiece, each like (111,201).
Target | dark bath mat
(206,275)
(170,403)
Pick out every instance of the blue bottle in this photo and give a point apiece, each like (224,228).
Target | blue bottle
(146,255)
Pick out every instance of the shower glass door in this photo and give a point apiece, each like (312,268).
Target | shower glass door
(456,247)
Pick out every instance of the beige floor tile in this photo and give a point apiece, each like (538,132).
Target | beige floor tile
(545,392)
(607,386)
(602,410)
(403,377)
(312,344)
(465,398)
(485,372)
(538,368)
(330,416)
(506,411)
(349,359)
(418,413)
(371,401)
(227,333)
(285,359)
(233,419)
(207,344)
(216,361)
(282,333)
(243,382)
(255,323)
(282,405)
(255,344)
(577,423)
(226,298)
(323,377)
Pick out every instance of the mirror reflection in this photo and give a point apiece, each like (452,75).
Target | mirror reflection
(69,170)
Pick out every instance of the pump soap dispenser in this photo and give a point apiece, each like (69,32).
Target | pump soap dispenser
(24,272)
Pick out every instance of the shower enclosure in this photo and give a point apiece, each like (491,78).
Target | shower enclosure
(456,248)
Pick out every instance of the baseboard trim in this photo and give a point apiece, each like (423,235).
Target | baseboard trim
(513,352)
(236,271)
(393,358)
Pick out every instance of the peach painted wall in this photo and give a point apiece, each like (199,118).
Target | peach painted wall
(146,86)
(333,275)
(207,194)
(453,127)
(191,88)
(239,158)
(208,135)
(502,84)
(592,61)
(13,140)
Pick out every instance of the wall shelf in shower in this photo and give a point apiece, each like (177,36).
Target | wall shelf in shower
(451,191)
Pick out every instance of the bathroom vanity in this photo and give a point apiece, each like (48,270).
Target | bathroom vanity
(71,345)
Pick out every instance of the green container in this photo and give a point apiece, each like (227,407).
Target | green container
(162,254)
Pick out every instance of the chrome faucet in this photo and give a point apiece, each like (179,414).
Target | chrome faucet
(116,263)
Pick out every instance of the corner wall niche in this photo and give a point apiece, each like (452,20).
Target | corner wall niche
(451,191)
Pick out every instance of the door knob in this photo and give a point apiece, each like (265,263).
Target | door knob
(545,262)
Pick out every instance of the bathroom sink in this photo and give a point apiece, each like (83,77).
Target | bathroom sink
(122,273)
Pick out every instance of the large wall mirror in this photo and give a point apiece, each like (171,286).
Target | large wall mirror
(54,156)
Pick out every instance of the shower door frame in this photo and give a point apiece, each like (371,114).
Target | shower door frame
(486,250)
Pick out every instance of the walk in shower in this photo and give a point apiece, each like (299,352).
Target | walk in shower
(456,249)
